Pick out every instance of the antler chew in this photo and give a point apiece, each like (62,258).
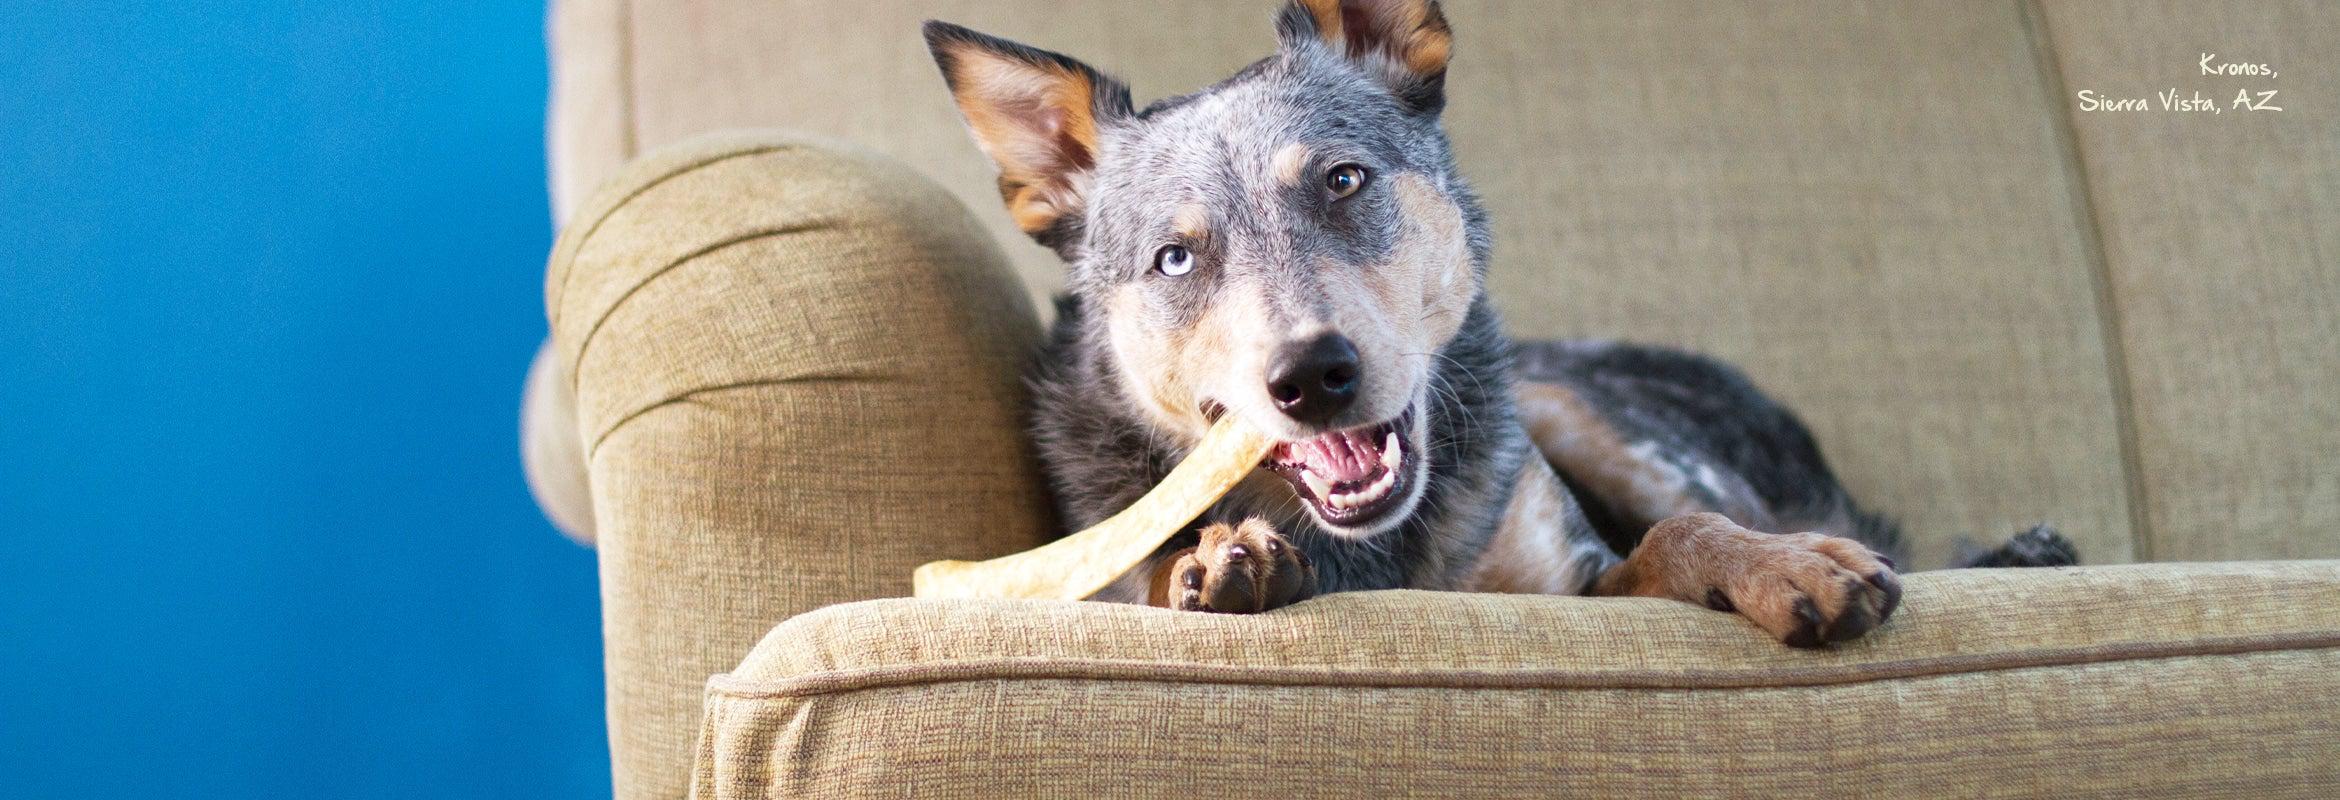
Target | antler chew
(1076,566)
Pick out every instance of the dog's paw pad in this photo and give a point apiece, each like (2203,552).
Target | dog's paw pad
(1241,569)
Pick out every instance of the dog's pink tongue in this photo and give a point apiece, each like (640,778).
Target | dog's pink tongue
(1341,456)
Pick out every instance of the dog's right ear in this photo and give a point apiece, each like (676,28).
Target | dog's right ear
(1037,114)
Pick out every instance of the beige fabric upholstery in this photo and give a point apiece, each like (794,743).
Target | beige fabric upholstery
(798,375)
(550,452)
(1792,187)
(2224,257)
(2011,683)
(794,373)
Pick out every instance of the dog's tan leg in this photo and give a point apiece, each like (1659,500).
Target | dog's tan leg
(1805,589)
(1631,477)
(1534,551)
(1236,569)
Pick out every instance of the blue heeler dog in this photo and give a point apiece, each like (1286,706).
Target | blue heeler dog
(1293,245)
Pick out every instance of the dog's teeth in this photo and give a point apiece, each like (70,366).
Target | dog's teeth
(1392,458)
(1318,485)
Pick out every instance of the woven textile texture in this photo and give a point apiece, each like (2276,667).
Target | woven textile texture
(2208,680)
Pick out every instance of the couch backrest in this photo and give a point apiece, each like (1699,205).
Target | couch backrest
(1993,306)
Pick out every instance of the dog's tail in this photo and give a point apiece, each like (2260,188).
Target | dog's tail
(2041,546)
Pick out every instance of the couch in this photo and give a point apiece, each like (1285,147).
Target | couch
(788,318)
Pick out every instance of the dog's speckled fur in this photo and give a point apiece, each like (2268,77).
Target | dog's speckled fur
(1141,360)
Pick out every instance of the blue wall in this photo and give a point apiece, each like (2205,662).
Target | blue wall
(271,277)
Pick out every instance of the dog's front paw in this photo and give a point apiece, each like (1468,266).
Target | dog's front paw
(1239,569)
(1807,589)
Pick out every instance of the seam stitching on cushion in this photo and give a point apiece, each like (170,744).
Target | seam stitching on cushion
(629,135)
(584,237)
(586,344)
(693,394)
(1757,678)
(2110,326)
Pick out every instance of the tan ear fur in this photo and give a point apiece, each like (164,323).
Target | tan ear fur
(1035,113)
(1408,39)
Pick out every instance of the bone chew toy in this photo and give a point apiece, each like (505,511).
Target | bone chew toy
(1076,566)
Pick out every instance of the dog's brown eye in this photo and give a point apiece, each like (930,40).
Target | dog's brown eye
(1174,260)
(1344,180)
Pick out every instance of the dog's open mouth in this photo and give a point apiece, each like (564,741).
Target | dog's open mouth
(1350,477)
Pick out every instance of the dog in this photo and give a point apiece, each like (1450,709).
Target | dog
(1294,246)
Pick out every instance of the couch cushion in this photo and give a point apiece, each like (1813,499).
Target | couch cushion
(2222,257)
(797,378)
(2117,681)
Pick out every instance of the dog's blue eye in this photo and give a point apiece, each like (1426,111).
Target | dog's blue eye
(1174,260)
(1344,180)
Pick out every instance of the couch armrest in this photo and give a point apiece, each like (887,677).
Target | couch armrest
(2131,681)
(797,376)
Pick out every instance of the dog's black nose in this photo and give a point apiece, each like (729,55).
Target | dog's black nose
(1315,380)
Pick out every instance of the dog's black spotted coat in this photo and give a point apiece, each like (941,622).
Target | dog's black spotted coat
(1139,358)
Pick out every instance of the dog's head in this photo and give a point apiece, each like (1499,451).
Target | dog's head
(1290,245)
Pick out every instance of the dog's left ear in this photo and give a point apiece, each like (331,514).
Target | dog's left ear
(1402,43)
(1037,114)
